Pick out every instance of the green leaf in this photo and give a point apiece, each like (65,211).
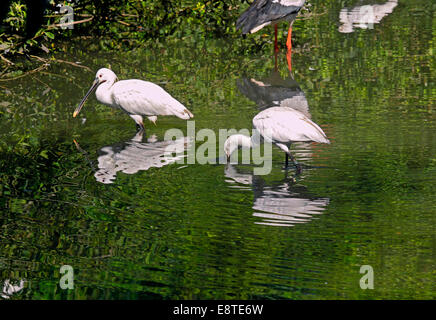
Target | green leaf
(49,34)
(44,154)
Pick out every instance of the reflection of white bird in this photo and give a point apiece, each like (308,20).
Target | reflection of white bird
(275,91)
(235,176)
(364,16)
(278,205)
(9,289)
(135,97)
(134,155)
(280,126)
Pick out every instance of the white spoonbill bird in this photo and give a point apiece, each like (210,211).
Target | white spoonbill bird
(135,97)
(265,12)
(281,126)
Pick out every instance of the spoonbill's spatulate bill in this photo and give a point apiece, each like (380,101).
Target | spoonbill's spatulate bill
(137,98)
(265,12)
(281,126)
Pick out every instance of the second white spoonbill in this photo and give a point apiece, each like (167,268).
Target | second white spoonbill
(137,98)
(281,126)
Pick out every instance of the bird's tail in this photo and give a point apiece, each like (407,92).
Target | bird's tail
(189,113)
(249,19)
(326,140)
(243,23)
(184,114)
(320,137)
(241,20)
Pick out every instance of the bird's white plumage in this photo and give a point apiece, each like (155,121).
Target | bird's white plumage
(286,125)
(290,3)
(145,98)
(255,29)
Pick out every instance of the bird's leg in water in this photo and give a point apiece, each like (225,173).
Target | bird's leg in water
(139,122)
(276,47)
(295,162)
(298,168)
(289,59)
(289,52)
(289,41)
(275,61)
(140,127)
(139,136)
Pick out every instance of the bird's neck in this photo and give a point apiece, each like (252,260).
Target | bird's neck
(247,142)
(104,93)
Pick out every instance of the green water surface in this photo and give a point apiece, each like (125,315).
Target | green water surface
(215,231)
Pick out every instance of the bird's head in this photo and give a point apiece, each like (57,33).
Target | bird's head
(102,75)
(105,75)
(234,142)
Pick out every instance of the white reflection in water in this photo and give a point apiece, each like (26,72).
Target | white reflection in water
(275,91)
(281,204)
(11,287)
(364,17)
(134,155)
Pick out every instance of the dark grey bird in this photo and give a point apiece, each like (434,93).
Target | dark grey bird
(275,91)
(262,13)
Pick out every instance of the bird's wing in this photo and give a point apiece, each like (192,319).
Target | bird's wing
(285,125)
(148,99)
(263,12)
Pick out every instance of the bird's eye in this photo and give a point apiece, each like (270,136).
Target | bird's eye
(100,76)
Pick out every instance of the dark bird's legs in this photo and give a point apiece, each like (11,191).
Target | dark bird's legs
(276,47)
(296,164)
(140,127)
(275,62)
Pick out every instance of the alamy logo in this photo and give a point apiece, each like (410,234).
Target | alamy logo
(367,281)
(67,19)
(67,280)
